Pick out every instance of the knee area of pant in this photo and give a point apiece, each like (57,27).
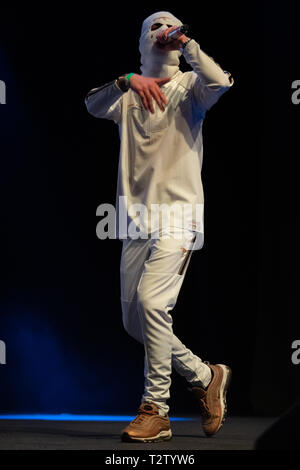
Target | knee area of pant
(145,300)
(150,302)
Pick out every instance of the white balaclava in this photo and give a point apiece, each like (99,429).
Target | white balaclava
(156,62)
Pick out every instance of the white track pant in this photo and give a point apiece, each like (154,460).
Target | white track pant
(151,273)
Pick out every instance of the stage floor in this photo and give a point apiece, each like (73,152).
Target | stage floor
(238,433)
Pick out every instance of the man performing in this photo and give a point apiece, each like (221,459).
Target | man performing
(160,115)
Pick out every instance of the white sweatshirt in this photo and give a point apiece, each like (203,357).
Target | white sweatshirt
(161,154)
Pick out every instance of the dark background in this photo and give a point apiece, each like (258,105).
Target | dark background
(67,350)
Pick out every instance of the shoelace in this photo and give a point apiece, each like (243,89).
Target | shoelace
(139,418)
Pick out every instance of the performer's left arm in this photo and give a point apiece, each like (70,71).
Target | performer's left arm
(211,81)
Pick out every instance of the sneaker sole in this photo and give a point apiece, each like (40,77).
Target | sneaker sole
(223,391)
(161,436)
(228,380)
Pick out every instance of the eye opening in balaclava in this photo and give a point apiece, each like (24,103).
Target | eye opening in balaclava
(154,61)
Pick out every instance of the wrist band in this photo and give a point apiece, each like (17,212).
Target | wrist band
(129,76)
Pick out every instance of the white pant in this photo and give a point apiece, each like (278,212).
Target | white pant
(151,274)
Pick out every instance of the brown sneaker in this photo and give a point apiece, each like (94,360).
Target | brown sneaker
(148,426)
(212,401)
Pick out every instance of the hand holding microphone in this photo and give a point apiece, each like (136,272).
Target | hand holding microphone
(172,38)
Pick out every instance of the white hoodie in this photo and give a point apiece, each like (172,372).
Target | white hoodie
(161,154)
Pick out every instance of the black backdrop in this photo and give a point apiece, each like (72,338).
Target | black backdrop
(66,347)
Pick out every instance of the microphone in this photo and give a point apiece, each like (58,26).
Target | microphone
(178,31)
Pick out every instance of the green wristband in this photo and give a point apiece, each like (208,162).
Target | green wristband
(129,76)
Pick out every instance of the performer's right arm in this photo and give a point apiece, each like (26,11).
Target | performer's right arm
(105,101)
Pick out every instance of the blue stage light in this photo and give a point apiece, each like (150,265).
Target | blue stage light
(73,417)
